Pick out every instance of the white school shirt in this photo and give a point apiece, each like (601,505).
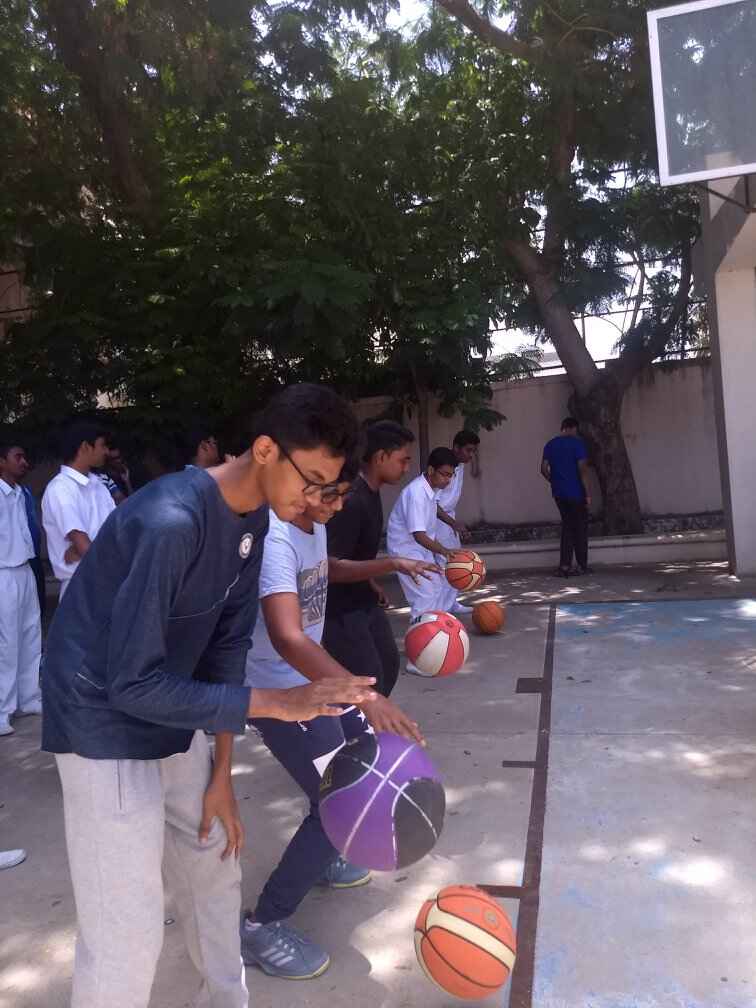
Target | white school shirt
(72,501)
(448,498)
(16,543)
(415,511)
(294,562)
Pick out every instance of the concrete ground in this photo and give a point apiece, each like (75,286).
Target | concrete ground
(595,925)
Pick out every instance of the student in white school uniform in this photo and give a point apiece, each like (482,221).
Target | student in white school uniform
(20,626)
(412,530)
(449,530)
(76,502)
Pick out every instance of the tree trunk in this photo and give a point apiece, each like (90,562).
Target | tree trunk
(597,399)
(599,414)
(423,424)
(423,396)
(93,57)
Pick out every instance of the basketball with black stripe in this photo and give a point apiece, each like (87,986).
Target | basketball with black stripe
(382,802)
(465,942)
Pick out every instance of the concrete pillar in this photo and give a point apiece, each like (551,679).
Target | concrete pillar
(733,317)
(725,265)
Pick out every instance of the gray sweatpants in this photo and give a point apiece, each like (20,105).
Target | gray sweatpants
(126,822)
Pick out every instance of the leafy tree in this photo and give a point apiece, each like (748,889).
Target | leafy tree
(237,215)
(556,147)
(212,198)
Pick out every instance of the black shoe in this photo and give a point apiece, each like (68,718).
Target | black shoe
(563,572)
(584,570)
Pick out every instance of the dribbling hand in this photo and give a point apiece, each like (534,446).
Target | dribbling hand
(317,699)
(416,569)
(385,716)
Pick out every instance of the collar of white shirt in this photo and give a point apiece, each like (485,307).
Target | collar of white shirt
(75,475)
(427,487)
(8,489)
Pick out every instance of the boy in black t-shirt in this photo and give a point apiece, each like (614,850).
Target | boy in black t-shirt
(357,631)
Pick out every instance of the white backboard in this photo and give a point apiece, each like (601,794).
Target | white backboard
(703,66)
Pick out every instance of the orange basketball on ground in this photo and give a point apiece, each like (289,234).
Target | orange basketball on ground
(465,570)
(488,617)
(465,942)
(437,644)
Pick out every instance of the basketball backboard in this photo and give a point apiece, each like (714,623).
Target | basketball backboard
(703,66)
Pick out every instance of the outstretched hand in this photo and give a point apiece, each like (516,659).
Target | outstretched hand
(317,699)
(385,716)
(416,569)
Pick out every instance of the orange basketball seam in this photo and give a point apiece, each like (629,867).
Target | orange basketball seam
(489,933)
(479,897)
(455,969)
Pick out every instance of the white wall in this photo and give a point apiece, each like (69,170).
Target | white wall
(668,420)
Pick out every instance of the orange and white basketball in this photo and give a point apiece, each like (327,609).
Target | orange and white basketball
(465,570)
(465,942)
(437,644)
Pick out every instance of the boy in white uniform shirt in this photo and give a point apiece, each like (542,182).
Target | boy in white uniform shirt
(412,530)
(449,530)
(76,502)
(286,652)
(20,628)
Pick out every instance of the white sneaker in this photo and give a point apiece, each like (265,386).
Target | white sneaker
(414,670)
(5,727)
(33,708)
(461,610)
(11,858)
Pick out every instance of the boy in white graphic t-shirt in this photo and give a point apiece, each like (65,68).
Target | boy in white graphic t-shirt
(286,652)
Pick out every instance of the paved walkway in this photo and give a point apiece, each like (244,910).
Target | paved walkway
(475,722)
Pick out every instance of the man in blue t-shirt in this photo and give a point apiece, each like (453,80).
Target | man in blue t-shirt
(565,465)
(147,648)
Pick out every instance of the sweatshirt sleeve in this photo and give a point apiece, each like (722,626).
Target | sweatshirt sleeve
(225,657)
(137,681)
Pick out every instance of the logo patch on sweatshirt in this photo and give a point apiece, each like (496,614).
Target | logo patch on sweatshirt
(245,546)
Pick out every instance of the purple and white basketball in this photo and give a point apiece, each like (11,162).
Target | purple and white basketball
(382,803)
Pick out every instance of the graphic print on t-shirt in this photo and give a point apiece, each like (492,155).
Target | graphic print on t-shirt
(312,588)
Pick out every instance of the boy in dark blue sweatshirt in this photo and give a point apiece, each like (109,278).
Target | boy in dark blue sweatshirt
(148,648)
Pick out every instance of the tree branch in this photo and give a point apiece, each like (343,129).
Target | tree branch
(562,155)
(87,53)
(641,290)
(557,317)
(487,32)
(638,355)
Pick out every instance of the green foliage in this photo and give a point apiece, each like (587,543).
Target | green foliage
(214,198)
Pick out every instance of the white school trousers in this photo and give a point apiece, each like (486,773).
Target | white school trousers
(126,822)
(20,640)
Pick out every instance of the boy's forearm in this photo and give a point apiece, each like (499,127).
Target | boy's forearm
(224,752)
(424,540)
(349,571)
(445,517)
(308,658)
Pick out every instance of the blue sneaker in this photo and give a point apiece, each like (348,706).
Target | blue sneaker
(341,875)
(280,951)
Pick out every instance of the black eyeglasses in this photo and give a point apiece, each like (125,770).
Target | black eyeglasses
(315,492)
(330,496)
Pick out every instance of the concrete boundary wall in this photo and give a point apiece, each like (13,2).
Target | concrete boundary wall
(668,420)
